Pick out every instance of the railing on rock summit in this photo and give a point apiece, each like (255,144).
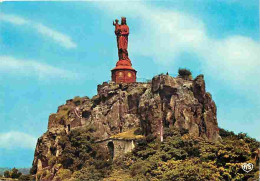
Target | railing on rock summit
(145,80)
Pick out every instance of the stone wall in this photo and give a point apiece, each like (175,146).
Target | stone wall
(120,146)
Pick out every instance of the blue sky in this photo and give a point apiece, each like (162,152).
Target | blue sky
(54,51)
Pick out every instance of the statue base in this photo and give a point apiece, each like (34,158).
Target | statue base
(123,72)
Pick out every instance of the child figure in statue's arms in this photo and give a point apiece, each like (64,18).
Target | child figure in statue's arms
(117,27)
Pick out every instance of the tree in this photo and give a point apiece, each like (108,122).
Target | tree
(7,174)
(15,173)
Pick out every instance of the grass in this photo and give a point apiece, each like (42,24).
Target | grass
(63,112)
(77,100)
(7,179)
(130,134)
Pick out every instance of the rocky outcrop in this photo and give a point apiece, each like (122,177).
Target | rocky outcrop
(163,102)
(182,103)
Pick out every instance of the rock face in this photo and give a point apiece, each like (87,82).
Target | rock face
(163,102)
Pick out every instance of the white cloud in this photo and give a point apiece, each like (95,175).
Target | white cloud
(55,35)
(235,59)
(60,38)
(13,19)
(33,68)
(13,139)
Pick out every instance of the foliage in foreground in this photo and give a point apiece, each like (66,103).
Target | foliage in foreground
(178,157)
(181,157)
(14,173)
(81,158)
(20,174)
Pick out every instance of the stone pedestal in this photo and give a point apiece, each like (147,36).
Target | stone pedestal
(123,72)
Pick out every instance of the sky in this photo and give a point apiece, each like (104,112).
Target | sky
(53,51)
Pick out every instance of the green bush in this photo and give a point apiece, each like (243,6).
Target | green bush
(77,100)
(80,152)
(140,168)
(64,174)
(189,170)
(14,173)
(184,72)
(225,133)
(89,174)
(7,174)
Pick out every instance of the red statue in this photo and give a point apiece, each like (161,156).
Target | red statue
(122,32)
(123,72)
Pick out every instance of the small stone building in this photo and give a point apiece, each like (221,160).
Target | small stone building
(117,147)
(120,144)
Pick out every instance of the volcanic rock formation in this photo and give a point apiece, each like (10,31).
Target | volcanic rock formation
(117,108)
